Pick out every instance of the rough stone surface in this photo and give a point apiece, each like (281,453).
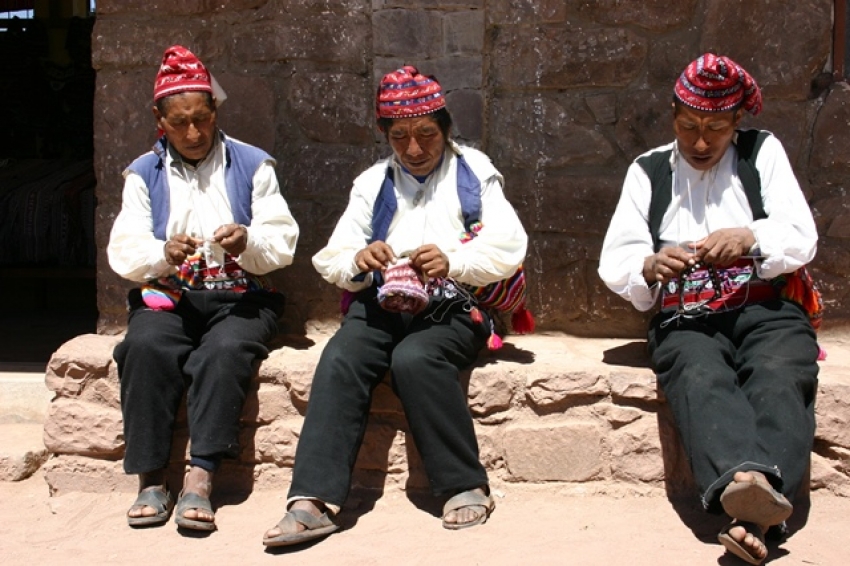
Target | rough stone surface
(566,452)
(547,408)
(22,452)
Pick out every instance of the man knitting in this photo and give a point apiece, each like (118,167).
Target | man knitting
(404,216)
(202,220)
(712,223)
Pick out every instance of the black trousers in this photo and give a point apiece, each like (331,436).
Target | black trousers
(211,343)
(425,357)
(742,387)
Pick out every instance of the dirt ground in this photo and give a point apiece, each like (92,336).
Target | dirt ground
(531,525)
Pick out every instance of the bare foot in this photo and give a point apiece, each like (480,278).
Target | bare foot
(750,476)
(750,543)
(199,481)
(466,514)
(151,481)
(312,506)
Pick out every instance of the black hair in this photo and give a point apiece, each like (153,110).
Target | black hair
(442,116)
(162,106)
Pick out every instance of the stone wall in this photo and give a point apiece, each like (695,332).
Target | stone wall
(562,94)
(575,413)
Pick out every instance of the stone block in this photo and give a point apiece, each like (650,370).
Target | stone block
(340,39)
(23,451)
(463,32)
(567,57)
(830,154)
(546,131)
(292,369)
(491,390)
(655,15)
(787,120)
(85,429)
(570,452)
(267,403)
(645,120)
(383,448)
(338,8)
(823,475)
(332,107)
(134,43)
(447,5)
(558,294)
(636,455)
(832,412)
(83,368)
(249,114)
(68,473)
(273,443)
(561,202)
(467,108)
(617,416)
(453,73)
(749,38)
(411,34)
(553,387)
(503,12)
(491,447)
(634,386)
(173,7)
(603,107)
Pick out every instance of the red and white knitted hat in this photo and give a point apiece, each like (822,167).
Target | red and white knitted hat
(406,93)
(181,71)
(714,83)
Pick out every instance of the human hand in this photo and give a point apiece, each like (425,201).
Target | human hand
(430,261)
(179,247)
(666,264)
(232,237)
(724,247)
(376,256)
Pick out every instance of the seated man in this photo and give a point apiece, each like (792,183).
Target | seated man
(403,228)
(713,222)
(202,219)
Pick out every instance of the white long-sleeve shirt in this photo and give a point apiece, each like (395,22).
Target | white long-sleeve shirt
(703,202)
(198,206)
(429,213)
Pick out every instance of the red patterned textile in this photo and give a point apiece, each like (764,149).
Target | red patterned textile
(180,71)
(714,83)
(405,93)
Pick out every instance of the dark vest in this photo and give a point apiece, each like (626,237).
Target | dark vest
(657,167)
(240,163)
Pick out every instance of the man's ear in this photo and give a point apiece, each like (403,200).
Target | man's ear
(739,114)
(156,114)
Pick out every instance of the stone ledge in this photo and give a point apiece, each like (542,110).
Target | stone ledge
(581,413)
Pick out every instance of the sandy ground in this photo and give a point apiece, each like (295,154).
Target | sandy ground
(531,525)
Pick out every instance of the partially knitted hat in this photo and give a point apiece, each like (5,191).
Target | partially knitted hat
(181,71)
(714,83)
(403,289)
(405,93)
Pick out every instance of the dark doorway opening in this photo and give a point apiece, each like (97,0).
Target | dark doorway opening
(47,182)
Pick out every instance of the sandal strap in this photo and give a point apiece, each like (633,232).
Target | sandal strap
(157,498)
(193,501)
(294,517)
(469,498)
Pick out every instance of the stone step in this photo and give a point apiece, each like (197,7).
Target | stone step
(24,397)
(22,452)
(582,413)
